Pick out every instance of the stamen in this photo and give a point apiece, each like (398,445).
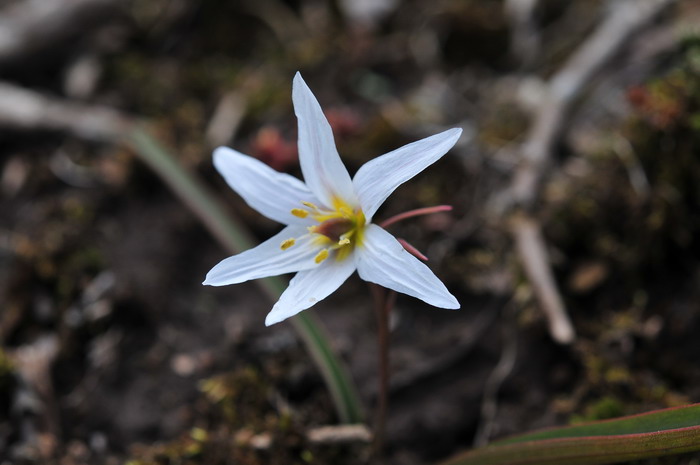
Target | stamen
(300,213)
(322,255)
(287,243)
(310,205)
(337,231)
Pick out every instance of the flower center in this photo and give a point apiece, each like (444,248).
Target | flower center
(338,232)
(335,229)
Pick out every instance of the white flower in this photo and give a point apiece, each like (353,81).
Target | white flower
(329,232)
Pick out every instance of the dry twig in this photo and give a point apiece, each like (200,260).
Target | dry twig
(624,19)
(28,110)
(339,434)
(35,25)
(503,369)
(566,85)
(532,250)
(525,38)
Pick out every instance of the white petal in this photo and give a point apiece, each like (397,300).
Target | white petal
(267,259)
(270,192)
(382,260)
(309,287)
(323,170)
(378,178)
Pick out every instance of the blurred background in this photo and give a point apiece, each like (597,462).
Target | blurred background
(573,245)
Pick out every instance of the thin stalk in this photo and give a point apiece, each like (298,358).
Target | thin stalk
(235,238)
(383,303)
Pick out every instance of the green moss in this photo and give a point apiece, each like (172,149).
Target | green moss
(241,397)
(602,409)
(7,371)
(237,423)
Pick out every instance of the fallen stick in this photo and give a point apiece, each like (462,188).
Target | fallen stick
(567,84)
(525,39)
(339,434)
(626,17)
(532,250)
(30,26)
(28,110)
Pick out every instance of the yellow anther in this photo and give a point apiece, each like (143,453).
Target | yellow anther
(287,244)
(344,241)
(322,255)
(300,212)
(310,205)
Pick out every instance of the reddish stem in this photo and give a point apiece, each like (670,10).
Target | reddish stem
(416,212)
(384,301)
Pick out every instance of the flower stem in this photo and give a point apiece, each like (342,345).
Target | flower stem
(416,212)
(383,303)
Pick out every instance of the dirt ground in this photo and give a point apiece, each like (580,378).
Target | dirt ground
(113,352)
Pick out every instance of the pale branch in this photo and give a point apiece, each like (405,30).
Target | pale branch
(28,110)
(321,436)
(525,37)
(339,434)
(626,17)
(532,251)
(33,25)
(567,84)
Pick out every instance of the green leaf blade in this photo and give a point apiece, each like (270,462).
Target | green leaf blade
(653,434)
